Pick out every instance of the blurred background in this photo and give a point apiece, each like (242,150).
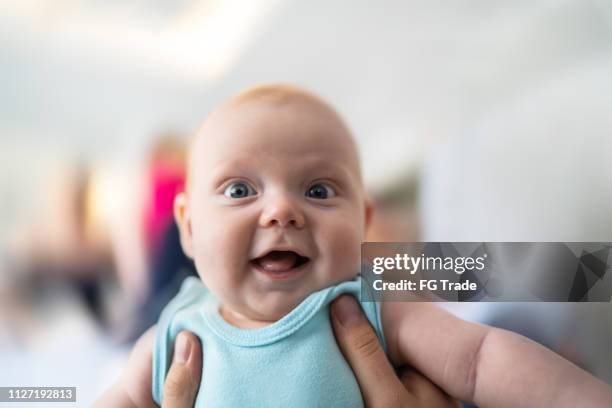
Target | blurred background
(478,120)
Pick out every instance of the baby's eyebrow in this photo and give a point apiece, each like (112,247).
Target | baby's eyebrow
(313,167)
(322,166)
(234,164)
(235,167)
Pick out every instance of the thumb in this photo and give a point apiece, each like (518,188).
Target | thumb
(380,386)
(183,378)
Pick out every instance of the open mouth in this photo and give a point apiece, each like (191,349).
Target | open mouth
(280,262)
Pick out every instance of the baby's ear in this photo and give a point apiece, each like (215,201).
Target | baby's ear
(182,215)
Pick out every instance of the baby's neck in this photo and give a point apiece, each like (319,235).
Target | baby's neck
(241,321)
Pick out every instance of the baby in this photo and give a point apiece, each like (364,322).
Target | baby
(273,216)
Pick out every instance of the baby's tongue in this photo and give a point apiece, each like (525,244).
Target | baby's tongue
(278,261)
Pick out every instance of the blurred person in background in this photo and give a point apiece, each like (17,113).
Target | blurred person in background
(166,264)
(84,247)
(65,246)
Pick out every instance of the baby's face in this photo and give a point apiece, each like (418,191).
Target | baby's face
(275,209)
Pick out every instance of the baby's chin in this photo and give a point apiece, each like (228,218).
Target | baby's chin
(274,311)
(272,307)
(267,307)
(262,313)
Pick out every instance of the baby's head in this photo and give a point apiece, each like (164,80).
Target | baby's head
(275,207)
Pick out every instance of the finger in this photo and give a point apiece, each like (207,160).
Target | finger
(426,392)
(183,378)
(379,384)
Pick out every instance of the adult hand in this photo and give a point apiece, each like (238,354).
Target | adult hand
(183,379)
(380,385)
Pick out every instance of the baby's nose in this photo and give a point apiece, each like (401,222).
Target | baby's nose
(282,211)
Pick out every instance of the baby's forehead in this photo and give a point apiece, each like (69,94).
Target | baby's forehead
(272,120)
(279,102)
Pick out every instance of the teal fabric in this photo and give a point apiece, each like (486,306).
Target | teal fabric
(294,362)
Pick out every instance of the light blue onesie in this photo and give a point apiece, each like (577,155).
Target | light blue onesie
(294,362)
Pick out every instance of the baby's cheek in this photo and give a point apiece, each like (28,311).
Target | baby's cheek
(344,241)
(221,252)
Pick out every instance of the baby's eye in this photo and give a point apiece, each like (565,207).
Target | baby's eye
(239,189)
(321,191)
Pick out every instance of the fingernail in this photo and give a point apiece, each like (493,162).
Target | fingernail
(347,311)
(182,349)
